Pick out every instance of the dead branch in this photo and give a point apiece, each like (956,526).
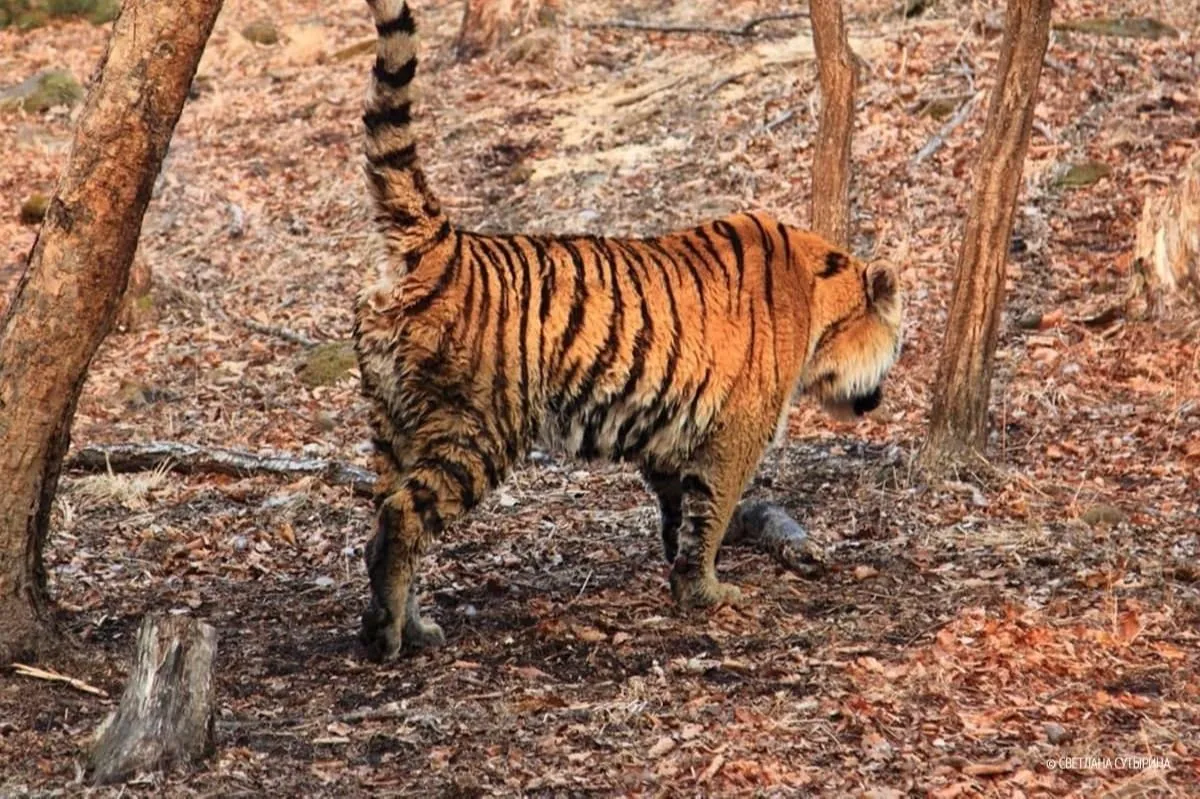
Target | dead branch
(193,459)
(53,676)
(938,140)
(166,713)
(278,332)
(745,29)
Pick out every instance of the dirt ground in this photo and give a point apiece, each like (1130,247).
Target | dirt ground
(1030,633)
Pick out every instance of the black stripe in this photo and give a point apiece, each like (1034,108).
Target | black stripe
(401,24)
(834,262)
(425,502)
(769,290)
(693,271)
(730,232)
(522,331)
(402,159)
(469,445)
(455,470)
(449,273)
(608,352)
(485,306)
(576,317)
(694,405)
(546,269)
(834,328)
(720,264)
(694,484)
(391,116)
(394,79)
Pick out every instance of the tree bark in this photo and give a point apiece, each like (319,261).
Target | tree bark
(165,717)
(1167,252)
(67,299)
(488,23)
(831,156)
(958,426)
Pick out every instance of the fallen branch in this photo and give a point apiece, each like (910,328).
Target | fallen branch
(939,139)
(192,459)
(745,29)
(53,676)
(278,332)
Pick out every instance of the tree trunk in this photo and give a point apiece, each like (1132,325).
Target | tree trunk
(1167,252)
(165,717)
(488,23)
(67,299)
(958,425)
(831,156)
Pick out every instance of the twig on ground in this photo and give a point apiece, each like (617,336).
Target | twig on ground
(745,29)
(278,332)
(939,138)
(190,458)
(53,676)
(778,120)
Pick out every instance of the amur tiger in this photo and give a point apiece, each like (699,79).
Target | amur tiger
(679,353)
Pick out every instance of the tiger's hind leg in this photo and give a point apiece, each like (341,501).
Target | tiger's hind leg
(668,488)
(710,496)
(447,478)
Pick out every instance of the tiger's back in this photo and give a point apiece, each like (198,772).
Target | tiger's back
(678,352)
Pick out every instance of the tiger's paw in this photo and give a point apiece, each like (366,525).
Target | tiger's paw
(384,640)
(421,634)
(693,590)
(379,634)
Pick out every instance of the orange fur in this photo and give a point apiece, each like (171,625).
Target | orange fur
(680,353)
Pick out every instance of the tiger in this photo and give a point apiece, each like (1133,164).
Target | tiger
(678,354)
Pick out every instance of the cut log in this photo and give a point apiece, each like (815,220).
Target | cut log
(489,23)
(768,528)
(1166,265)
(165,718)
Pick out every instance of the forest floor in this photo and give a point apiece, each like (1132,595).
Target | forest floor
(1035,632)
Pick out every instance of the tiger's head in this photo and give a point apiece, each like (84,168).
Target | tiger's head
(855,335)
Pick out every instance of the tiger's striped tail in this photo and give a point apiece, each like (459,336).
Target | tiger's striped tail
(405,209)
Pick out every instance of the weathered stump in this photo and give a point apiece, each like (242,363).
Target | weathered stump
(486,24)
(165,718)
(1166,263)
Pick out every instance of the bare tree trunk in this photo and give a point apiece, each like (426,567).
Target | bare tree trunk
(1167,252)
(68,297)
(958,426)
(831,156)
(166,713)
(488,23)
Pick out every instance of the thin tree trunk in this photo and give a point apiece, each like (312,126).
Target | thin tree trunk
(958,425)
(831,156)
(67,299)
(488,23)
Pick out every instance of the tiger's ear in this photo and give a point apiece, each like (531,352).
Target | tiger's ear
(882,283)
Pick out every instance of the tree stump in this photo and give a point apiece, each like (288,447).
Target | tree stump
(488,23)
(165,718)
(1166,262)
